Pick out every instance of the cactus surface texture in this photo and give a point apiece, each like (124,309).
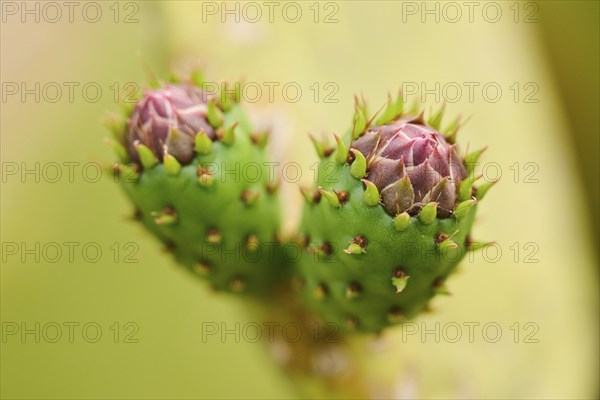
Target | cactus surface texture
(184,156)
(388,220)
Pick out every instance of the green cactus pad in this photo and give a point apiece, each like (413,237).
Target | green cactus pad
(359,289)
(218,213)
(383,232)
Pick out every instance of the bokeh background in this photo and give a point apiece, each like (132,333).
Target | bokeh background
(544,125)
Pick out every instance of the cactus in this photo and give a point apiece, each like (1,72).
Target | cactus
(388,220)
(386,223)
(198,178)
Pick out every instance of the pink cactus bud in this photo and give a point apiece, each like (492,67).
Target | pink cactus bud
(406,147)
(170,116)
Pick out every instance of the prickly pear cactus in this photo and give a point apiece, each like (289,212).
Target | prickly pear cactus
(388,220)
(198,179)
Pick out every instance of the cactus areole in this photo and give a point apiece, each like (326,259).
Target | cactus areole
(178,148)
(388,220)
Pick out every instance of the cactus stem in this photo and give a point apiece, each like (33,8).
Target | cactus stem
(428,213)
(402,221)
(400,280)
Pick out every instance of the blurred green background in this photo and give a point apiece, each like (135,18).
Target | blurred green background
(542,134)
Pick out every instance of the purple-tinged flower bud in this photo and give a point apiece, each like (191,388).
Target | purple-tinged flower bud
(169,118)
(408,148)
